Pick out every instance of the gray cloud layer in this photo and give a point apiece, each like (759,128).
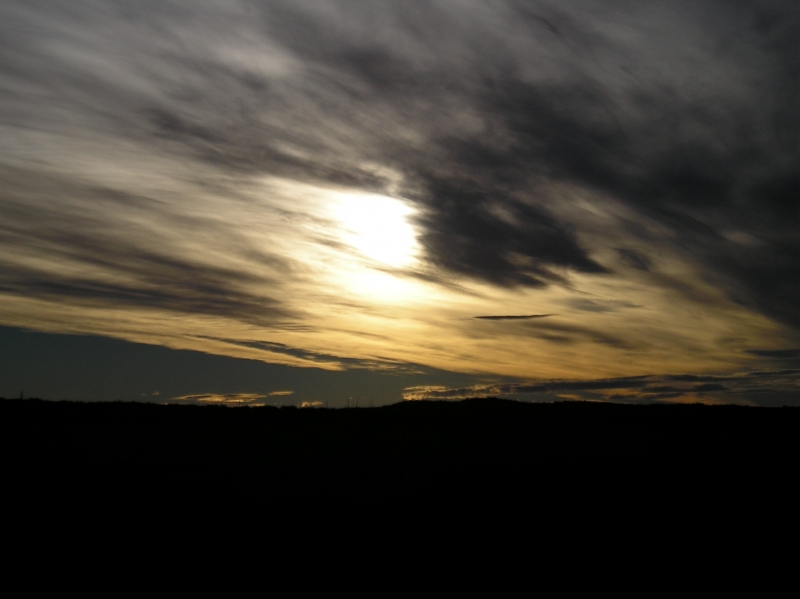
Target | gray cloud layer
(685,112)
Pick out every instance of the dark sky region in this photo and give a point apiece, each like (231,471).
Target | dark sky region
(284,202)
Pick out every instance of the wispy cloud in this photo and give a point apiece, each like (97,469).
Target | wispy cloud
(311,404)
(325,360)
(513,317)
(742,387)
(776,354)
(231,399)
(173,166)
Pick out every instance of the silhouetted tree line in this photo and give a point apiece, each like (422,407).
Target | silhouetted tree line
(410,451)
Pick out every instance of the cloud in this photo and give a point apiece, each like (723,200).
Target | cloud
(513,317)
(776,354)
(547,148)
(660,142)
(567,333)
(484,235)
(608,123)
(594,305)
(634,259)
(94,256)
(743,386)
(325,360)
(231,399)
(559,331)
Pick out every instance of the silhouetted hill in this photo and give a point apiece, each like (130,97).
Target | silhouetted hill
(407,451)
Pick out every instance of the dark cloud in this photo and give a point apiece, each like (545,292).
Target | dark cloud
(589,305)
(95,259)
(708,387)
(513,317)
(541,326)
(161,282)
(567,333)
(684,112)
(783,385)
(778,354)
(706,150)
(322,359)
(486,235)
(635,259)
(777,357)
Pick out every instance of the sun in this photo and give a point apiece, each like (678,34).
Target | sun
(377,227)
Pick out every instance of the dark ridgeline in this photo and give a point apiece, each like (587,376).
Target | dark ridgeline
(475,450)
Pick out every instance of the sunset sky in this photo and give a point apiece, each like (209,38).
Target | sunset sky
(339,200)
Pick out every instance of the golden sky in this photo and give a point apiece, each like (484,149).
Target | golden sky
(511,191)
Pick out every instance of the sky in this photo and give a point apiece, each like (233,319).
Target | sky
(368,201)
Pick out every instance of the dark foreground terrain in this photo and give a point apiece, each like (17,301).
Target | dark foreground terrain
(480,450)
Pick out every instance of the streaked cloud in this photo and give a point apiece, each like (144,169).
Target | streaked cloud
(745,387)
(512,317)
(611,187)
(231,399)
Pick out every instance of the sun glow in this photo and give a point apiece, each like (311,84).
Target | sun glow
(377,227)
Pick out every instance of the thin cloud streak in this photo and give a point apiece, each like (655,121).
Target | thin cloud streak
(231,399)
(740,386)
(513,317)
